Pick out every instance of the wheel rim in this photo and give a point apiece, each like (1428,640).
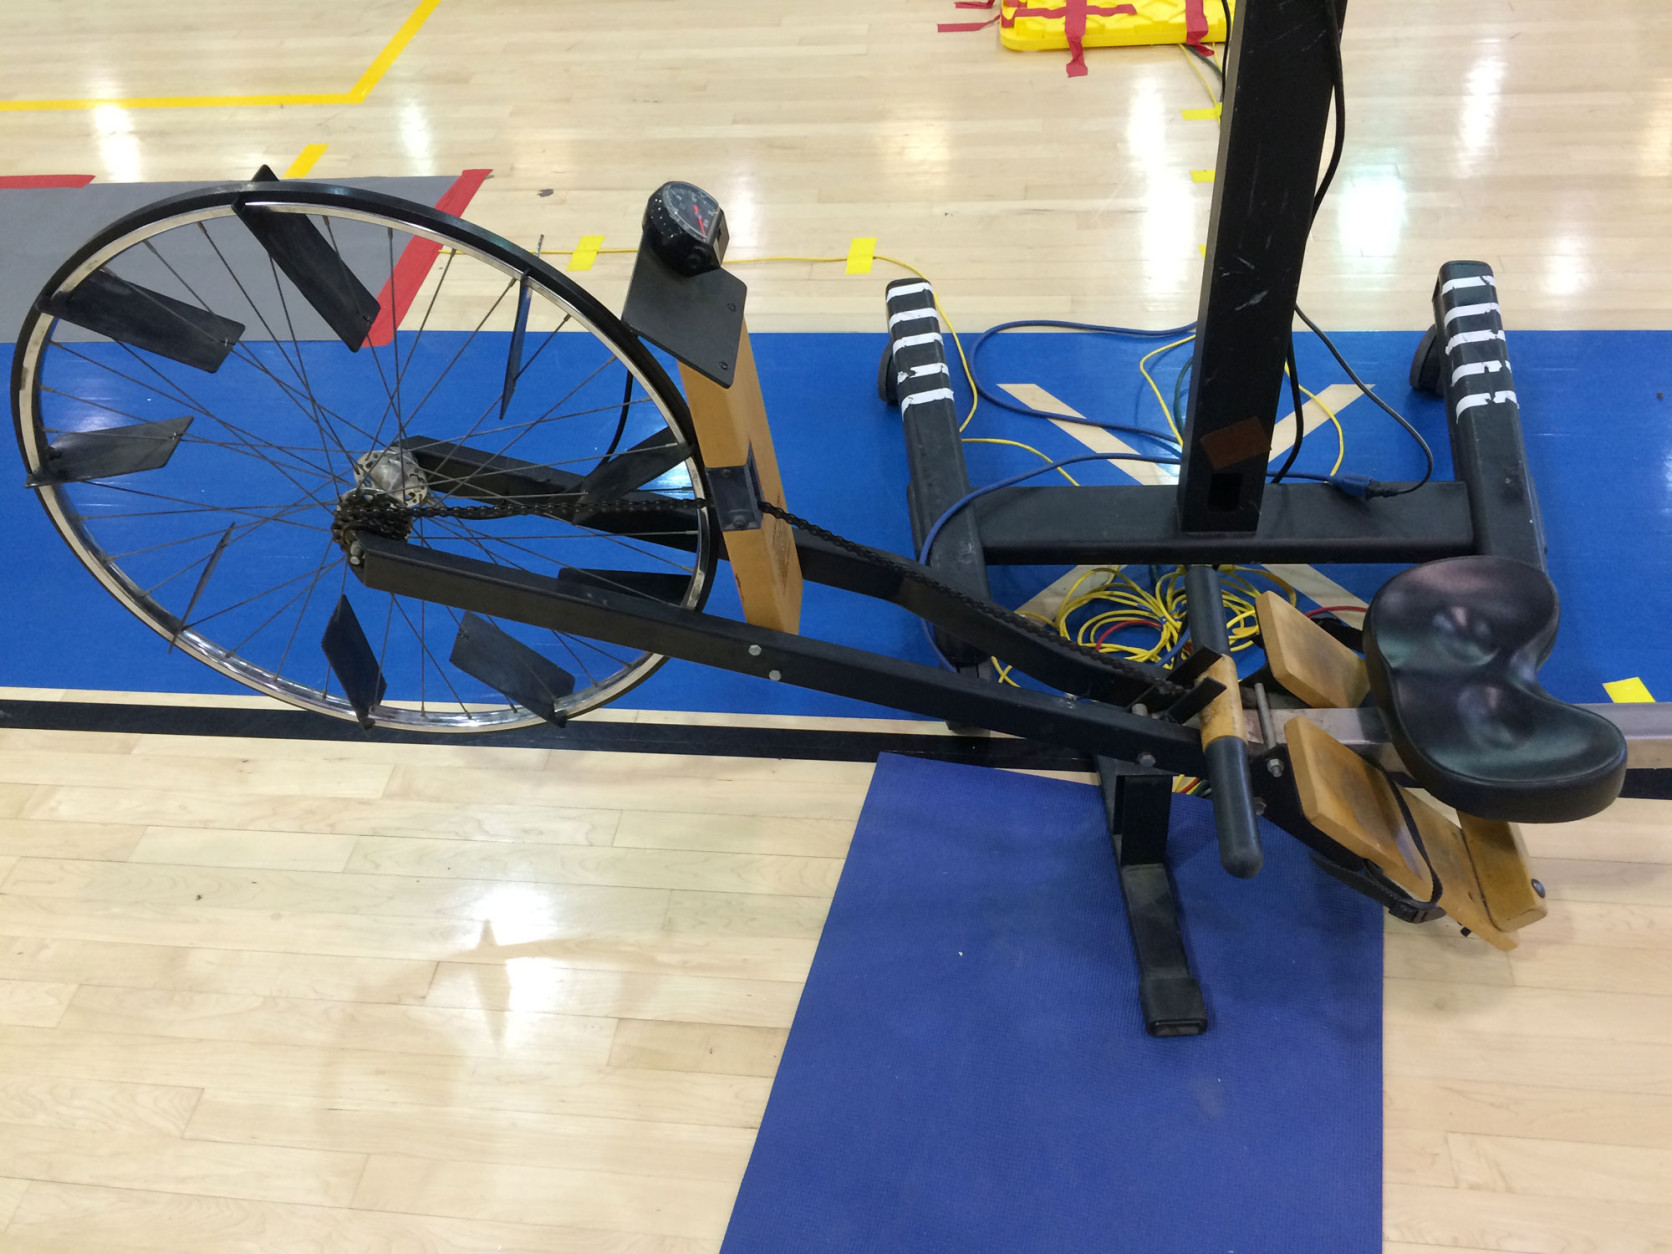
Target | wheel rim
(225,548)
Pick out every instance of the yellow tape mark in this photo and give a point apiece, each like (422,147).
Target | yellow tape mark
(586,252)
(861,254)
(1203,115)
(355,95)
(1629,692)
(1203,249)
(305,161)
(393,49)
(1201,176)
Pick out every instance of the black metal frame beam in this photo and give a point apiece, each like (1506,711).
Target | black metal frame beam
(457,470)
(1301,522)
(936,476)
(1278,87)
(635,622)
(1483,413)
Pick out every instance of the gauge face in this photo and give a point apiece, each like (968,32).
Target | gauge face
(686,228)
(693,208)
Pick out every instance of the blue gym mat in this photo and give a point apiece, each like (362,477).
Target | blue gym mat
(968,1070)
(1599,435)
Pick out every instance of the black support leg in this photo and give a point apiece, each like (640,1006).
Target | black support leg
(1139,805)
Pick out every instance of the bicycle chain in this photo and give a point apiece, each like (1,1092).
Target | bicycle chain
(384,515)
(369,509)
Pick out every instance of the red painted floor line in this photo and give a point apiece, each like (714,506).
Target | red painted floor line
(414,263)
(45,180)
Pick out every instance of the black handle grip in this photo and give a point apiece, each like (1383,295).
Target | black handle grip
(1233,808)
(1233,794)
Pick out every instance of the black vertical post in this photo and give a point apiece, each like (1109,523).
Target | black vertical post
(1278,89)
(1139,803)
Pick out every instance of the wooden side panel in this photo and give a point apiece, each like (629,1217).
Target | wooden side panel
(1345,797)
(1462,896)
(1350,801)
(1500,862)
(1307,660)
(731,423)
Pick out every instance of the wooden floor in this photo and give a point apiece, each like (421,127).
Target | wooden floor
(293,996)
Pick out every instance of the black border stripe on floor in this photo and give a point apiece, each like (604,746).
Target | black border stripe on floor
(607,736)
(705,740)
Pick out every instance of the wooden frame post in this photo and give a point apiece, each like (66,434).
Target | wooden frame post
(736,440)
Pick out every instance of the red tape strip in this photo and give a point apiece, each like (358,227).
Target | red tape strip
(1074,14)
(952,28)
(46,180)
(1195,22)
(414,263)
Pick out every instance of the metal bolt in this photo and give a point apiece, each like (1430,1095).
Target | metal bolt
(1146,760)
(1259,806)
(1274,767)
(731,306)
(1140,709)
(1263,705)
(356,554)
(725,365)
(774,676)
(754,650)
(1538,888)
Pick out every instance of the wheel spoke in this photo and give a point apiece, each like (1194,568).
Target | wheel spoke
(302,369)
(311,420)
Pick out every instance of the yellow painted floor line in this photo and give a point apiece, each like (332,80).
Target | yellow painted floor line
(393,49)
(305,161)
(355,95)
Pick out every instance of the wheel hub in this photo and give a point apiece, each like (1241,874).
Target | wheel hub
(394,472)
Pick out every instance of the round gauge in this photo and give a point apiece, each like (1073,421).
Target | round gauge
(686,228)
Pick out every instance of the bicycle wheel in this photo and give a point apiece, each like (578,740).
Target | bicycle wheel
(199,385)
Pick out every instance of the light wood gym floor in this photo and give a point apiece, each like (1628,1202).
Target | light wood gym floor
(268,995)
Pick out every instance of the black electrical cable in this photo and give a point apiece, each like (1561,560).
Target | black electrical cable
(1338,83)
(1300,415)
(1207,59)
(621,425)
(1016,407)
(1427,453)
(1338,73)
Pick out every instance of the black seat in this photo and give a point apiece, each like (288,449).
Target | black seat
(1453,650)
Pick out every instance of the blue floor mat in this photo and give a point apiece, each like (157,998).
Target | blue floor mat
(968,1070)
(1599,435)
